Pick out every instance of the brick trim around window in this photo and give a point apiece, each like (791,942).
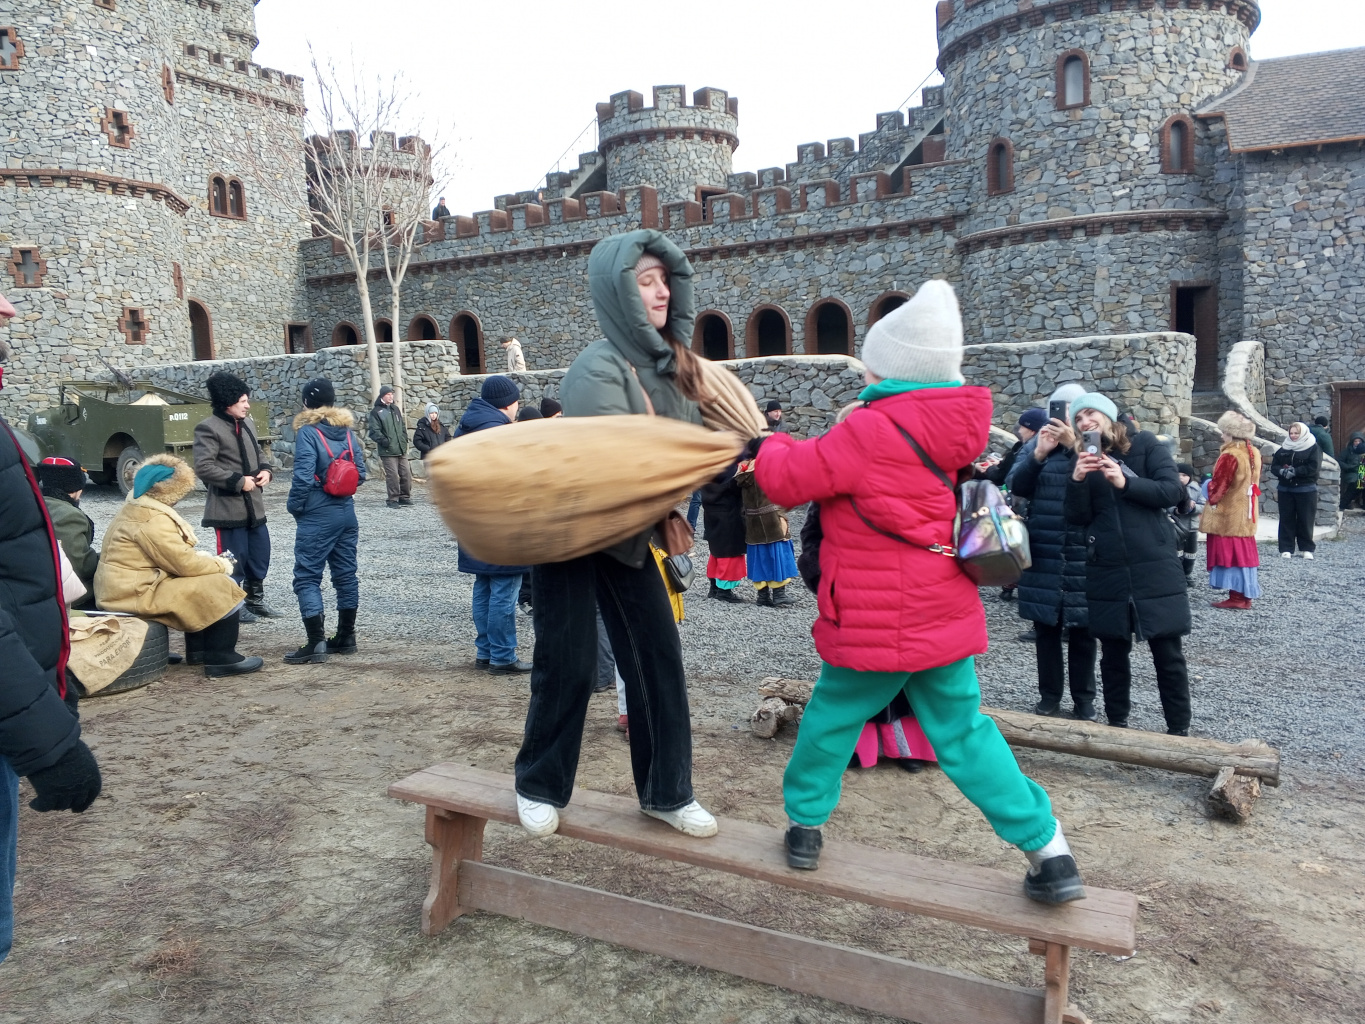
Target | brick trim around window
(227,197)
(1182,162)
(999,176)
(1062,62)
(118,128)
(1237,59)
(135,325)
(12,35)
(36,267)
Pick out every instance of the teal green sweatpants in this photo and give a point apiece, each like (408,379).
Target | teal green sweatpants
(947,703)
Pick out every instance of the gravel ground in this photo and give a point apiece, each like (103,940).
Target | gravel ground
(1252,674)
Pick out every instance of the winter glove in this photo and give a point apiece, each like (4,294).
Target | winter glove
(69,785)
(1286,472)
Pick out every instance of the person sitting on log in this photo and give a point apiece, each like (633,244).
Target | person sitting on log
(63,483)
(895,614)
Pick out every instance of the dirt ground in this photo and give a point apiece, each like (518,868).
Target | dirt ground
(246,866)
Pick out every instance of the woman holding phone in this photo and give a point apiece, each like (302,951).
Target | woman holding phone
(1119,491)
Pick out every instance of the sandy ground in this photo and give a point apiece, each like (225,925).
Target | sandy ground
(245,865)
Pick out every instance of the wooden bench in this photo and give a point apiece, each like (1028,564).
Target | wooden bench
(460,801)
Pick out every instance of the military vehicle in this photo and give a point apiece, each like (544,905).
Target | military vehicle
(111,428)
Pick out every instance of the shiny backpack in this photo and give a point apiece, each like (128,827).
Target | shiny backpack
(342,478)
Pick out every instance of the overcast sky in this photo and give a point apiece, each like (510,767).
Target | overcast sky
(512,86)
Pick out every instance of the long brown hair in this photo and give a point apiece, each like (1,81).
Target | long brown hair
(1115,436)
(688,375)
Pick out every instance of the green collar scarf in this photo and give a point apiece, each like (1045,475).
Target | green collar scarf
(887,388)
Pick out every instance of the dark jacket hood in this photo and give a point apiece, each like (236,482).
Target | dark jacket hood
(481,415)
(1357,436)
(616,297)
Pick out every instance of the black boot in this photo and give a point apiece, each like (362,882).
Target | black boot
(314,649)
(721,594)
(255,600)
(803,847)
(765,597)
(1055,880)
(245,616)
(194,648)
(781,597)
(220,650)
(344,641)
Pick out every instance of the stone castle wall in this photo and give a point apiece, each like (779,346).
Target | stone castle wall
(673,145)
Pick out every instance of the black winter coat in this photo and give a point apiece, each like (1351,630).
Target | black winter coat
(1305,464)
(426,437)
(997,473)
(722,505)
(1053,587)
(36,726)
(1133,580)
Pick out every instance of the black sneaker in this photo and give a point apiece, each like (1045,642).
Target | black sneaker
(405,501)
(391,504)
(1118,723)
(1085,712)
(719,593)
(803,847)
(1056,880)
(1177,732)
(1028,636)
(512,668)
(1048,709)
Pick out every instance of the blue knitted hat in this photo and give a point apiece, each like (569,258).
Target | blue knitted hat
(1094,400)
(149,476)
(1034,419)
(500,391)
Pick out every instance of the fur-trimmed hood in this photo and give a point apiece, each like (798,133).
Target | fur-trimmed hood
(173,489)
(327,414)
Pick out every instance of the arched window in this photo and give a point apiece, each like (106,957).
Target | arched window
(345,334)
(218,200)
(885,303)
(423,328)
(768,333)
(1177,145)
(383,332)
(1073,80)
(829,329)
(1237,59)
(201,330)
(1000,167)
(236,200)
(467,334)
(713,337)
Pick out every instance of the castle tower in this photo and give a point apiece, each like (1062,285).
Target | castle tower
(134,226)
(1076,119)
(675,147)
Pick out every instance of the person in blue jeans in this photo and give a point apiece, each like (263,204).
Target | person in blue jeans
(327,533)
(496,587)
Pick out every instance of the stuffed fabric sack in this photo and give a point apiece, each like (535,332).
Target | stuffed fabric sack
(727,403)
(551,490)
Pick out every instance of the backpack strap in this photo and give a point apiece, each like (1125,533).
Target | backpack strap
(329,450)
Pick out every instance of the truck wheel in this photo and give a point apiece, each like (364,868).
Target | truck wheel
(129,462)
(149,666)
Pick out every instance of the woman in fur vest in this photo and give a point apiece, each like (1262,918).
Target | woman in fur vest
(1232,512)
(150,568)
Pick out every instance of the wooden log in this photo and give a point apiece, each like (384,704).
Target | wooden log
(1234,796)
(1193,755)
(771,714)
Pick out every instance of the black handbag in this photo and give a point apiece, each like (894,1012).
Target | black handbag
(681,572)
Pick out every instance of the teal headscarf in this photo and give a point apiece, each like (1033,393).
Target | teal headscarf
(149,476)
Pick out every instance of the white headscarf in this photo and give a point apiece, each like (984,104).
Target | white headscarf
(1306,439)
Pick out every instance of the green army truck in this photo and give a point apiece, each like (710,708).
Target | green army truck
(109,429)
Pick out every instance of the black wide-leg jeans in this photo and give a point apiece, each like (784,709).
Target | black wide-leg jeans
(1172,679)
(1053,669)
(644,638)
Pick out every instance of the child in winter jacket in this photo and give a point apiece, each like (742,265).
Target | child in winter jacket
(1185,518)
(769,554)
(896,611)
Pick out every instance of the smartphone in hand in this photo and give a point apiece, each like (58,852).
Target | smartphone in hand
(1056,410)
(1090,442)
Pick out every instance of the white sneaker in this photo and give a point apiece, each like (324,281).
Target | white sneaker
(1308,556)
(1286,554)
(537,818)
(694,820)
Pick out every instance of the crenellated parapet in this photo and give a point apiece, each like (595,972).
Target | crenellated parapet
(675,146)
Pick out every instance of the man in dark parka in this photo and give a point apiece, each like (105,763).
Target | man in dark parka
(389,432)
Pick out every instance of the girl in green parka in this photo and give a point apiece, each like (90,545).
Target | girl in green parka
(641,285)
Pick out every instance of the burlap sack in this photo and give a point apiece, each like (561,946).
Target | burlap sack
(551,490)
(728,404)
(103,647)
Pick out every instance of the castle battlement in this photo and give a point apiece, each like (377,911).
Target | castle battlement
(667,99)
(207,57)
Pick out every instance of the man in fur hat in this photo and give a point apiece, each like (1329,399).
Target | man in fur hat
(228,458)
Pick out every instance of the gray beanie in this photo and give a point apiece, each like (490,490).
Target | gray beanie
(1068,392)
(919,341)
(431,409)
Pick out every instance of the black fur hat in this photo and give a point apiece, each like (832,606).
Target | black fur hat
(225,389)
(318,393)
(60,473)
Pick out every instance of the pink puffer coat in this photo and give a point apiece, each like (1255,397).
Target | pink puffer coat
(886,606)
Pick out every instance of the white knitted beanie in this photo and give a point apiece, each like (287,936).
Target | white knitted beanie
(920,341)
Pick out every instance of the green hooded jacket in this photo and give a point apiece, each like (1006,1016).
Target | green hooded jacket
(601,382)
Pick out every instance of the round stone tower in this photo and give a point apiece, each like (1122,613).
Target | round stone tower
(1093,187)
(675,147)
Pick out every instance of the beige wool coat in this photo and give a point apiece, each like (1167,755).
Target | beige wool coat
(148,562)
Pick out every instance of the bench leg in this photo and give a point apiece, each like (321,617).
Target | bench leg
(1056,981)
(453,838)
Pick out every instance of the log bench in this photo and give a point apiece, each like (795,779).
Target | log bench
(460,801)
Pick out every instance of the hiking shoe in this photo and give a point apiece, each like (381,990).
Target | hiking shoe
(537,818)
(692,820)
(1085,712)
(1048,709)
(803,847)
(512,668)
(1056,880)
(309,653)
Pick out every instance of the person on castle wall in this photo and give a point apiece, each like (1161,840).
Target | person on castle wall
(149,568)
(1134,585)
(389,432)
(1319,429)
(1232,513)
(441,209)
(641,287)
(1052,589)
(516,362)
(895,615)
(1352,464)
(63,483)
(496,587)
(430,433)
(40,732)
(770,556)
(773,414)
(229,459)
(723,508)
(327,533)
(1296,466)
